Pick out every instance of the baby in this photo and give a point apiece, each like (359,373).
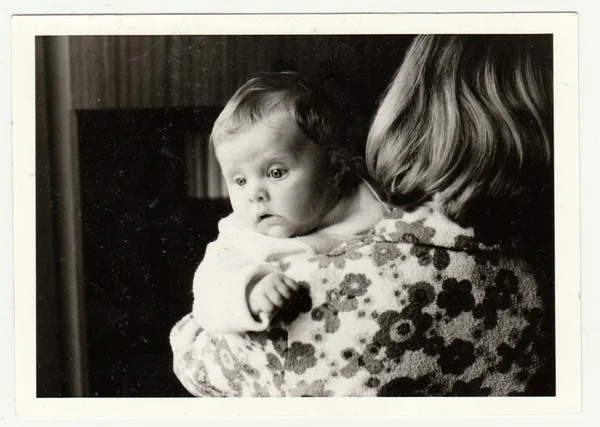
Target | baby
(286,170)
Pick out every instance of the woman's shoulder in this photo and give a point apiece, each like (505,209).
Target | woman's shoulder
(427,225)
(418,307)
(423,244)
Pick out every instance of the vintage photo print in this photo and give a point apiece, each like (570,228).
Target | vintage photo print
(296,215)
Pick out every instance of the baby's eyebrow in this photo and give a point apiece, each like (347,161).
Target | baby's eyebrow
(276,159)
(281,157)
(229,172)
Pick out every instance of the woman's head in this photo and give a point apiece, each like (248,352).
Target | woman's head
(466,121)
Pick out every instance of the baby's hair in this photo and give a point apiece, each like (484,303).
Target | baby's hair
(302,99)
(467,119)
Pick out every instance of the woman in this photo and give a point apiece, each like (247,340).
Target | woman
(437,299)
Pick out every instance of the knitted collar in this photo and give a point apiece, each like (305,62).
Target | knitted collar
(352,204)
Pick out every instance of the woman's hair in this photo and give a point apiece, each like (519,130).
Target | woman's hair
(298,97)
(467,122)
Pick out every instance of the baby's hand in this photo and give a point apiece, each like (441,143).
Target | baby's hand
(270,294)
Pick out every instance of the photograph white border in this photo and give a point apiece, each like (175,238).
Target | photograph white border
(568,379)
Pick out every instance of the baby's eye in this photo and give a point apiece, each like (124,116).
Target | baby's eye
(277,173)
(240,181)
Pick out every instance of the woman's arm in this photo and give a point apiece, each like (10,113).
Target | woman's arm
(227,365)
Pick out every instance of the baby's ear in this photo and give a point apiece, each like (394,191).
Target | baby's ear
(338,167)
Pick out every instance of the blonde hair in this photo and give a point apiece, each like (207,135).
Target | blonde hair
(466,122)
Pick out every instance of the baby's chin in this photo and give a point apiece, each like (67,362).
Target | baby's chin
(278,228)
(279,232)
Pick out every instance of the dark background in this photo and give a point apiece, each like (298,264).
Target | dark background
(118,233)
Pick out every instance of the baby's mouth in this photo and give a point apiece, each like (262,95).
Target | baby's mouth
(264,216)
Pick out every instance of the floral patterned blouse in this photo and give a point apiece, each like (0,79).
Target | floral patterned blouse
(418,307)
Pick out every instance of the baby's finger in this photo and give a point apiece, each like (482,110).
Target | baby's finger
(264,317)
(266,305)
(275,297)
(290,283)
(284,290)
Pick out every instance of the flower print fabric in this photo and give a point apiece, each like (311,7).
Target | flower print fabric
(418,307)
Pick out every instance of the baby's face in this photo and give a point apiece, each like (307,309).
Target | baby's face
(279,182)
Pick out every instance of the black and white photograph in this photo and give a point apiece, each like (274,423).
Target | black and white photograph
(294,214)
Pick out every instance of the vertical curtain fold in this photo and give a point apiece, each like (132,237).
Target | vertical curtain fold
(62,138)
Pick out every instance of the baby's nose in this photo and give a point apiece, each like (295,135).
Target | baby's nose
(259,195)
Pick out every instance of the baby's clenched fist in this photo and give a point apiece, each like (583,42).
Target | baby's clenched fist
(270,294)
